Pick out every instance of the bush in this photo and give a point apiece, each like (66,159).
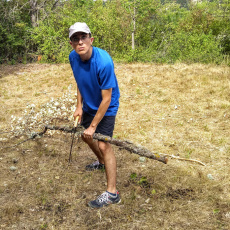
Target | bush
(194,47)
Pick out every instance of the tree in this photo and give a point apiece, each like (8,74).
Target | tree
(42,7)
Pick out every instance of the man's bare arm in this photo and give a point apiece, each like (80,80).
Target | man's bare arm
(106,99)
(78,111)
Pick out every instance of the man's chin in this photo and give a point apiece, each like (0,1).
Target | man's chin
(81,52)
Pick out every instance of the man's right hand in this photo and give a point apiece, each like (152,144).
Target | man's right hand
(78,113)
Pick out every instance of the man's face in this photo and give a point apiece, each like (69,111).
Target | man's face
(81,43)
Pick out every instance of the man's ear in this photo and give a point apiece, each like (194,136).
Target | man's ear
(91,40)
(70,43)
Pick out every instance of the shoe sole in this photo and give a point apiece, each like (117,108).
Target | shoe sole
(88,169)
(103,205)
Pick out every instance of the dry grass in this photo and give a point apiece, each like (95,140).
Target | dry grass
(174,109)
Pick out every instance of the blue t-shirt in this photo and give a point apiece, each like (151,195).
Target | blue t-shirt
(95,75)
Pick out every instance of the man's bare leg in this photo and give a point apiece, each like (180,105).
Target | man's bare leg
(105,155)
(107,198)
(95,148)
(110,165)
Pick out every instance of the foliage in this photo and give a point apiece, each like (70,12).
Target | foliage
(165,31)
(13,31)
(110,27)
(193,47)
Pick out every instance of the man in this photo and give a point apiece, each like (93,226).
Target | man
(97,104)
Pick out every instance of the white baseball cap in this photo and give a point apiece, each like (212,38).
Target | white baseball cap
(79,27)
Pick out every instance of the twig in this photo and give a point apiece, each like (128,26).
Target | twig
(5,132)
(75,127)
(32,137)
(185,159)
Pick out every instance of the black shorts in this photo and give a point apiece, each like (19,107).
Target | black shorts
(105,127)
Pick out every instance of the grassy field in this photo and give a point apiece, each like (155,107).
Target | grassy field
(181,110)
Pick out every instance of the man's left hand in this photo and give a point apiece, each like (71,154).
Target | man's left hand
(88,133)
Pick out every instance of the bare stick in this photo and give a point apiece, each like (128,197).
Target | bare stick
(75,126)
(185,159)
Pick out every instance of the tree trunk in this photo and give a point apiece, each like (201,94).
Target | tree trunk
(134,27)
(33,12)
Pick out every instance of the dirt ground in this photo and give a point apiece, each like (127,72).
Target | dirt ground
(180,110)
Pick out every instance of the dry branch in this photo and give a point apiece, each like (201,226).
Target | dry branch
(121,143)
(185,159)
(30,138)
(125,144)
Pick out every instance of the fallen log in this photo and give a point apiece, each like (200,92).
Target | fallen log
(120,143)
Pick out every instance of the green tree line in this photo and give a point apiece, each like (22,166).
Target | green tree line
(159,31)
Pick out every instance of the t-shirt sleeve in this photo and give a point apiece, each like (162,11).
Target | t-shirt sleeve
(107,76)
(72,57)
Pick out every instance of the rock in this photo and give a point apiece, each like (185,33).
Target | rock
(210,177)
(13,168)
(142,159)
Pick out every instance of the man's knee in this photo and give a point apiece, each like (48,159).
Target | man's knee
(104,146)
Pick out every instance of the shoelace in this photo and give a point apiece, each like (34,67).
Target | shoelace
(103,197)
(96,163)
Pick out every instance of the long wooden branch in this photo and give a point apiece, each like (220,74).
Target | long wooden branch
(121,143)
(126,145)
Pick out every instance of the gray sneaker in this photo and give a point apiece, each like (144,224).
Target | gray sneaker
(105,199)
(95,166)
